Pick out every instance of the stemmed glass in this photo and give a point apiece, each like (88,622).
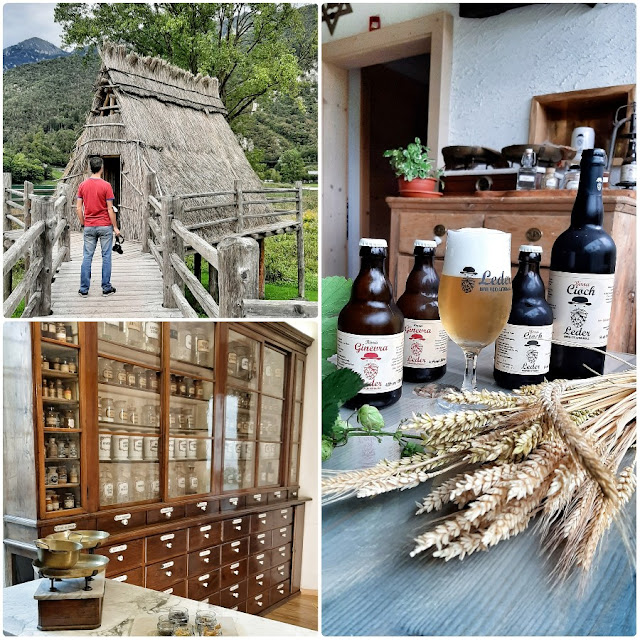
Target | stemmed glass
(475,291)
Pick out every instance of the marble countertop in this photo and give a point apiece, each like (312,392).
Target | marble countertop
(132,611)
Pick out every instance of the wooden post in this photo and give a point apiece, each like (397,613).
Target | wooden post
(237,187)
(261,271)
(237,274)
(6,226)
(65,211)
(213,282)
(169,277)
(26,202)
(45,211)
(300,238)
(147,190)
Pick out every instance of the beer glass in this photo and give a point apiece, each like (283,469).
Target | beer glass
(475,291)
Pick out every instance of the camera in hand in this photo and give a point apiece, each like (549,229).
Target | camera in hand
(117,246)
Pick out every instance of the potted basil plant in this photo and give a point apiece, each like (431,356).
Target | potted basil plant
(417,175)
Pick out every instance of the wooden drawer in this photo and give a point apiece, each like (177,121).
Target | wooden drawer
(232,503)
(256,499)
(277,496)
(259,542)
(178,589)
(214,599)
(279,591)
(233,595)
(203,507)
(234,572)
(293,494)
(79,523)
(282,535)
(203,586)
(203,561)
(166,545)
(123,557)
(280,572)
(121,521)
(233,551)
(259,562)
(165,514)
(260,522)
(259,583)
(257,603)
(164,574)
(133,576)
(205,535)
(239,607)
(235,528)
(280,554)
(281,517)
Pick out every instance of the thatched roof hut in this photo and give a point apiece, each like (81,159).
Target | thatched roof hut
(150,116)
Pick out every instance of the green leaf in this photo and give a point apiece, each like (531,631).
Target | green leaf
(335,294)
(337,388)
(327,448)
(370,418)
(327,368)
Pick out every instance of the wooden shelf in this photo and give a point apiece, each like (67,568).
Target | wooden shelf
(188,400)
(60,459)
(119,425)
(61,430)
(66,485)
(62,375)
(60,401)
(127,391)
(128,347)
(59,343)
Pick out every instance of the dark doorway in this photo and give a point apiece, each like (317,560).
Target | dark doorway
(112,175)
(395,102)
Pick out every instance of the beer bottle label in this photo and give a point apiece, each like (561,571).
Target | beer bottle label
(377,359)
(425,344)
(581,304)
(524,350)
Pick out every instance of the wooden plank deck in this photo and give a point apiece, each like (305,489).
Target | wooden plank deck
(135,275)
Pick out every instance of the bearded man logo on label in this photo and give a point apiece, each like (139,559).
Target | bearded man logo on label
(468,283)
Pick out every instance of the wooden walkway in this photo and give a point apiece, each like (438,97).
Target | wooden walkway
(135,275)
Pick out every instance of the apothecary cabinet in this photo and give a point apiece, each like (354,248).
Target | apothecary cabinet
(182,439)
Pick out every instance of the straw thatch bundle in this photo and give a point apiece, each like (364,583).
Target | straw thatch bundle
(161,119)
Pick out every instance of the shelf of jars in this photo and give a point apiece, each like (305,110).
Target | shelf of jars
(140,337)
(296,423)
(191,345)
(59,333)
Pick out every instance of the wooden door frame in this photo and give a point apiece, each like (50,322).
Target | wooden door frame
(432,34)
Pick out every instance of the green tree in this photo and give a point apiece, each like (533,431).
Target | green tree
(254,49)
(291,166)
(256,160)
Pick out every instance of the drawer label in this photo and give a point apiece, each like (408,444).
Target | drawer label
(280,586)
(262,535)
(277,494)
(166,565)
(206,528)
(202,554)
(281,568)
(201,505)
(122,516)
(283,512)
(118,549)
(168,536)
(235,544)
(282,549)
(257,497)
(258,598)
(235,565)
(283,530)
(237,521)
(206,576)
(260,556)
(121,578)
(169,590)
(260,576)
(65,527)
(166,510)
(233,501)
(234,588)
(262,515)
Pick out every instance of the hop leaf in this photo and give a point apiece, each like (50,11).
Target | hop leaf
(410,449)
(370,418)
(327,448)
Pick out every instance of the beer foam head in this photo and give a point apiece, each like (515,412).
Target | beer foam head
(471,252)
(429,244)
(373,242)
(530,248)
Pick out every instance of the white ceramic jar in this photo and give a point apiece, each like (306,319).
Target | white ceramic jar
(150,448)
(135,447)
(192,448)
(104,447)
(181,448)
(119,447)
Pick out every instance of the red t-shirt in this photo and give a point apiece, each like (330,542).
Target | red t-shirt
(94,193)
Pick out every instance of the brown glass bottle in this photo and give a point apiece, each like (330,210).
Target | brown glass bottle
(370,331)
(425,340)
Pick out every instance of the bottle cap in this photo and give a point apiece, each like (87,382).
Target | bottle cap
(430,244)
(530,248)
(373,242)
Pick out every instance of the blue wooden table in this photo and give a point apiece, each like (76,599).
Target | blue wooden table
(371,587)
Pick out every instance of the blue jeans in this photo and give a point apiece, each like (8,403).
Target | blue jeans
(91,237)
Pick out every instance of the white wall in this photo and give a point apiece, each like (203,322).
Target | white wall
(310,459)
(500,63)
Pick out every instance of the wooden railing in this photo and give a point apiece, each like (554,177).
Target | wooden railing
(36,232)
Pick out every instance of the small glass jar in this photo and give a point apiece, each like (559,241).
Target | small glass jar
(72,332)
(73,368)
(45,388)
(48,502)
(185,338)
(59,390)
(134,334)
(149,416)
(73,449)
(108,410)
(152,380)
(134,415)
(120,374)
(67,393)
(106,371)
(52,475)
(64,367)
(141,377)
(52,389)
(55,501)
(62,475)
(173,385)
(122,412)
(199,389)
(61,333)
(173,418)
(191,388)
(74,474)
(187,419)
(45,362)
(63,448)
(69,419)
(182,386)
(202,350)
(56,364)
(69,501)
(165,626)
(52,419)
(179,615)
(132,378)
(52,448)
(51,331)
(152,336)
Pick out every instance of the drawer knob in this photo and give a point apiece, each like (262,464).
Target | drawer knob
(534,234)
(236,572)
(120,558)
(238,528)
(263,522)
(260,583)
(439,230)
(206,535)
(261,561)
(168,514)
(235,595)
(205,584)
(206,560)
(168,573)
(125,522)
(169,545)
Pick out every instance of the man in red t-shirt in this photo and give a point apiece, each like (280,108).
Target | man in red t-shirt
(94,207)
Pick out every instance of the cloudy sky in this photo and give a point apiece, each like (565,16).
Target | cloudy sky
(29,20)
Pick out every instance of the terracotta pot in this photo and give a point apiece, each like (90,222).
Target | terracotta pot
(417,187)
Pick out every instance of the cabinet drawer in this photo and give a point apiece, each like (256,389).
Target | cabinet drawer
(256,604)
(280,572)
(204,585)
(293,494)
(178,589)
(79,523)
(235,528)
(279,591)
(280,554)
(123,557)
(277,496)
(165,514)
(203,561)
(203,507)
(233,551)
(281,517)
(205,535)
(164,574)
(232,573)
(233,595)
(239,607)
(232,503)
(121,521)
(256,499)
(166,545)
(214,599)
(259,562)
(260,522)
(281,535)
(258,583)
(259,542)
(134,576)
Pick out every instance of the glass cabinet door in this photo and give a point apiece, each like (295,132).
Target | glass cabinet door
(191,411)
(296,428)
(61,420)
(129,412)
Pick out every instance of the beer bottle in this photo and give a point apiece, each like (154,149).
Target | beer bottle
(370,331)
(628,168)
(583,261)
(523,348)
(425,340)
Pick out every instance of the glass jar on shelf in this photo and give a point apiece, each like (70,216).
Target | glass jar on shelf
(55,501)
(51,475)
(123,485)
(52,447)
(173,385)
(73,449)
(134,415)
(191,388)
(55,364)
(107,492)
(64,366)
(181,480)
(187,418)
(153,382)
(152,336)
(122,412)
(51,331)
(63,477)
(108,410)
(45,388)
(106,371)
(182,386)
(61,333)
(119,374)
(202,350)
(44,362)
(141,378)
(69,501)
(73,367)
(48,502)
(109,330)
(185,339)
(59,390)
(132,379)
(68,395)
(173,418)
(192,480)
(74,474)
(174,343)
(199,389)
(69,419)
(134,335)
(52,420)
(182,420)
(149,416)
(52,389)
(139,483)
(63,448)
(72,333)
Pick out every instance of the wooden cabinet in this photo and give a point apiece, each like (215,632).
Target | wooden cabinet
(184,438)
(536,219)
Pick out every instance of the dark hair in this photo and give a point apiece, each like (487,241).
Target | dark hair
(95,163)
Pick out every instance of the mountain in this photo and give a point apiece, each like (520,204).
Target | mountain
(31,50)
